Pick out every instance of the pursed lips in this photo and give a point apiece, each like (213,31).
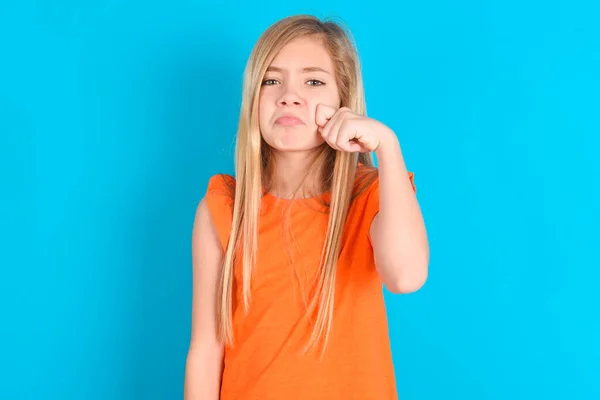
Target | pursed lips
(289,120)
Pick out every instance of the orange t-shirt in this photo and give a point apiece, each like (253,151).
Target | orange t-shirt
(266,361)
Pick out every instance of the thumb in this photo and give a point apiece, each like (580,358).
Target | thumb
(323,114)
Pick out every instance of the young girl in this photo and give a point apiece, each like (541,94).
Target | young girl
(290,255)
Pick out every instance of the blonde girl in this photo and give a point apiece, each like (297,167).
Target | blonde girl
(290,255)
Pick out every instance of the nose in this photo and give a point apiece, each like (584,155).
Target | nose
(289,96)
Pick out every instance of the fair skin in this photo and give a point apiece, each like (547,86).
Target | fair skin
(398,235)
(204,361)
(301,82)
(300,77)
(302,85)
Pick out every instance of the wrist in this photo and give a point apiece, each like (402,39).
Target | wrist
(388,144)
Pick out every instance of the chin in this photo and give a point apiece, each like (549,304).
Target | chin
(295,148)
(290,140)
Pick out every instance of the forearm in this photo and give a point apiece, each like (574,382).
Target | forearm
(400,241)
(203,371)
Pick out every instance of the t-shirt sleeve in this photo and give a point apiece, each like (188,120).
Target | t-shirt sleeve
(219,198)
(372,200)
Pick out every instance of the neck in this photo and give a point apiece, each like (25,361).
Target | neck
(290,169)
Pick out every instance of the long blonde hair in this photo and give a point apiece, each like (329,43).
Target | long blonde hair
(254,166)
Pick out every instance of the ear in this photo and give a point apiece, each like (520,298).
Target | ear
(323,114)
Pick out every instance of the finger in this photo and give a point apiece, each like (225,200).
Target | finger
(353,147)
(336,125)
(346,136)
(358,135)
(330,131)
(369,141)
(323,114)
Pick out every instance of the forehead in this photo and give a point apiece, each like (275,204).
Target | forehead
(302,52)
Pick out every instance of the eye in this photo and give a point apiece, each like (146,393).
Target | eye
(269,82)
(315,82)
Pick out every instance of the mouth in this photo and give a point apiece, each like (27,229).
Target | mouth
(288,121)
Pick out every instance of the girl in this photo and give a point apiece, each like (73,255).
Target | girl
(289,256)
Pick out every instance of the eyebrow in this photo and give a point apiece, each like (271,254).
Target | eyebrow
(303,70)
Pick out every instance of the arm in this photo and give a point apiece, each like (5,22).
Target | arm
(398,234)
(205,355)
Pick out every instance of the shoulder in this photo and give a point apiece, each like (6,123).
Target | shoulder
(220,194)
(221,184)
(365,196)
(366,180)
(218,203)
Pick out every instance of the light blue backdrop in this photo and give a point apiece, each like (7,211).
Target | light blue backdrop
(113,114)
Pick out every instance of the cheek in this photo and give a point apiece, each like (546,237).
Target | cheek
(264,112)
(333,98)
(330,99)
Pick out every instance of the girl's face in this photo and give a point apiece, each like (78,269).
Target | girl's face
(300,77)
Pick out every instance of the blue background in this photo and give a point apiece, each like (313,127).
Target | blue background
(113,115)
